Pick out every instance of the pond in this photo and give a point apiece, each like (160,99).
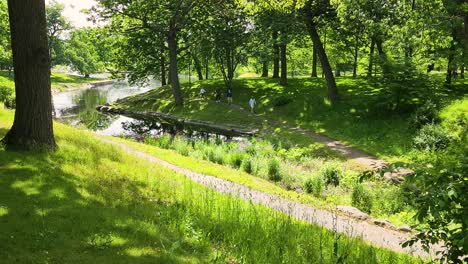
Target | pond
(78,108)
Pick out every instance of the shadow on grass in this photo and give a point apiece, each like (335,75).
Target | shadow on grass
(53,215)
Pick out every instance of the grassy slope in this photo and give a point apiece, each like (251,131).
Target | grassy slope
(59,81)
(90,203)
(382,135)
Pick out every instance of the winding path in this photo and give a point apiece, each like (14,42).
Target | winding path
(351,153)
(376,235)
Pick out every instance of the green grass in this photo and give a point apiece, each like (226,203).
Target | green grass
(357,120)
(89,202)
(59,81)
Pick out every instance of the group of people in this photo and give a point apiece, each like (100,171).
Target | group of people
(252,100)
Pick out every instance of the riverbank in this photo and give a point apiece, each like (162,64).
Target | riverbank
(91,202)
(359,120)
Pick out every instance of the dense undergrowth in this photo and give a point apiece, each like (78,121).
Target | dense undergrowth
(90,202)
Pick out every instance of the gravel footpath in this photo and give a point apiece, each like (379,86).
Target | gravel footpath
(376,235)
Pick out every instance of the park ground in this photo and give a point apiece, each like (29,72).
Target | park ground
(91,202)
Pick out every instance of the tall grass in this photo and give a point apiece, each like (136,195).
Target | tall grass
(91,203)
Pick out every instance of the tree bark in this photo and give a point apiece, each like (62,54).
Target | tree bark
(356,51)
(284,65)
(173,69)
(333,94)
(198,67)
(32,126)
(265,69)
(163,65)
(371,58)
(451,58)
(382,57)
(276,55)
(207,71)
(314,62)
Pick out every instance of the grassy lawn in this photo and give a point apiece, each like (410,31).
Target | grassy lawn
(91,203)
(360,119)
(59,81)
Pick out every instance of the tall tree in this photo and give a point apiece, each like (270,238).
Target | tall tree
(229,31)
(164,18)
(57,24)
(312,12)
(5,47)
(32,126)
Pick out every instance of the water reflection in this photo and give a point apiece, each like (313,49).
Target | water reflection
(86,109)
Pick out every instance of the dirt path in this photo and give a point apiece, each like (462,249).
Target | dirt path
(376,235)
(351,153)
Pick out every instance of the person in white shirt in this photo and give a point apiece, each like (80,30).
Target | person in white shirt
(252,103)
(202,92)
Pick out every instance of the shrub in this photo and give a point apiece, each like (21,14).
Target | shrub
(274,173)
(331,175)
(216,155)
(361,198)
(182,147)
(431,137)
(314,185)
(426,114)
(162,142)
(247,165)
(10,102)
(236,159)
(282,100)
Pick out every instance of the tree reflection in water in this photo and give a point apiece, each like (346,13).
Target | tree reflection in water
(86,104)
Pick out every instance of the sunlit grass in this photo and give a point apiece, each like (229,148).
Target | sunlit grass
(91,203)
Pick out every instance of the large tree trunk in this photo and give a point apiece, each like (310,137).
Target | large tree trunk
(382,57)
(265,69)
(276,55)
(284,65)
(356,50)
(451,58)
(371,58)
(198,67)
(314,62)
(326,68)
(207,71)
(32,126)
(163,65)
(173,69)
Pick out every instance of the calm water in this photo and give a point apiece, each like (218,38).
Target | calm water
(78,107)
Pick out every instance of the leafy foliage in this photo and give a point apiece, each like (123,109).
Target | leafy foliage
(361,198)
(431,137)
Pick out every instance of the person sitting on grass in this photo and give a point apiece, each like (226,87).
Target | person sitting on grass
(252,103)
(202,92)
(229,96)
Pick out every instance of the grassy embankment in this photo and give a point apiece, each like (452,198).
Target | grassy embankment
(60,81)
(90,202)
(304,163)
(360,119)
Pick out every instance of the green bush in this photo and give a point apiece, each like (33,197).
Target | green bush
(331,175)
(314,185)
(10,102)
(431,137)
(236,159)
(282,100)
(247,165)
(361,198)
(424,115)
(182,147)
(162,142)
(216,155)
(274,173)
